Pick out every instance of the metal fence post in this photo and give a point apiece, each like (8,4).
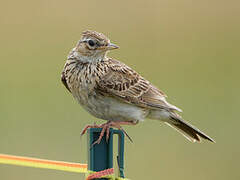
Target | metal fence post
(100,156)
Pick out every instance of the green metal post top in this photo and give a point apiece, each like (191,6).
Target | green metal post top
(100,156)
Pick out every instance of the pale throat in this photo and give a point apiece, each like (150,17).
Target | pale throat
(88,59)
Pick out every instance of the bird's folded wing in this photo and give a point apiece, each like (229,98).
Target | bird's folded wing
(121,82)
(64,81)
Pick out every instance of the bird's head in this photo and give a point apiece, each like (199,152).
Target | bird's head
(93,46)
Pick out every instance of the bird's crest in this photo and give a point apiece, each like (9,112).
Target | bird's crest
(98,36)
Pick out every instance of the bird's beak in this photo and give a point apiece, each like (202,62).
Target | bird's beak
(111,46)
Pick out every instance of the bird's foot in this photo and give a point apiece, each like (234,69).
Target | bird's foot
(117,124)
(90,126)
(106,128)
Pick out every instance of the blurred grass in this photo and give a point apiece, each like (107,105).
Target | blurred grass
(188,49)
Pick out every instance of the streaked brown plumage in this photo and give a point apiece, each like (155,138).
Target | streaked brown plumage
(110,90)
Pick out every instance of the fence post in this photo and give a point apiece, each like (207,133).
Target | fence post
(100,156)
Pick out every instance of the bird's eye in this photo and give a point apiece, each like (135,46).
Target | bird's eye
(91,43)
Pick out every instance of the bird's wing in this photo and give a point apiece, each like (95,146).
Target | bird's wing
(122,82)
(64,81)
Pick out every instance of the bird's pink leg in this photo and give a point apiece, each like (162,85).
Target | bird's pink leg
(115,124)
(90,126)
(106,127)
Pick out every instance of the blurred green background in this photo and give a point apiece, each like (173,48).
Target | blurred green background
(189,49)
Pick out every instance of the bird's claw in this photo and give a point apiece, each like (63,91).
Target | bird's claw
(105,128)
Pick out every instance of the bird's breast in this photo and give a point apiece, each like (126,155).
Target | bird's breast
(109,108)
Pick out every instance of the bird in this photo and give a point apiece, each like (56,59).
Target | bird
(110,90)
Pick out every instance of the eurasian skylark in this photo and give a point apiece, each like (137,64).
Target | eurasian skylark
(112,91)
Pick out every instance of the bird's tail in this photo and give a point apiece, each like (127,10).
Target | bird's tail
(187,130)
